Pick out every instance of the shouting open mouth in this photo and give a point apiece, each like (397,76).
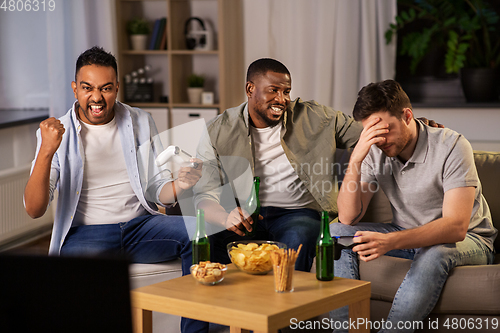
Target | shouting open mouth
(96,110)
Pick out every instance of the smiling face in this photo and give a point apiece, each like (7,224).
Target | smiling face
(268,98)
(401,139)
(95,89)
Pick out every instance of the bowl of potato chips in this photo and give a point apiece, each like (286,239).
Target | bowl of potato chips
(208,273)
(253,257)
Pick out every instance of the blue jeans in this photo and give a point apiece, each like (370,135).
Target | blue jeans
(290,226)
(145,239)
(420,290)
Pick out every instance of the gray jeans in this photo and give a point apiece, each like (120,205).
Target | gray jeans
(420,290)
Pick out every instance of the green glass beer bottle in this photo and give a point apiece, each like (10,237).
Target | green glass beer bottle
(324,251)
(252,206)
(200,245)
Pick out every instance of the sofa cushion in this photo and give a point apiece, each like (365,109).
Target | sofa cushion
(468,290)
(379,209)
(488,169)
(146,274)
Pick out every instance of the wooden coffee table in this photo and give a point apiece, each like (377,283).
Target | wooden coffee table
(249,302)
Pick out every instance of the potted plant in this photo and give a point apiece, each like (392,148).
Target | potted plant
(139,30)
(195,88)
(470,32)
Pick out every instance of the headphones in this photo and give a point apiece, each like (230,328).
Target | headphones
(194,40)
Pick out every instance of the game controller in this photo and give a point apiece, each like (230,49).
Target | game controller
(175,154)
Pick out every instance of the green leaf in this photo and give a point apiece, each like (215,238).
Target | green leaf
(455,55)
(412,13)
(388,36)
(449,21)
(422,14)
(416,46)
(462,47)
(451,45)
(405,16)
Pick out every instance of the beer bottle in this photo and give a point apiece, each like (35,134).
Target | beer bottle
(324,251)
(252,206)
(200,245)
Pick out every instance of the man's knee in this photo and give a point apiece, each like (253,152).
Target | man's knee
(339,229)
(437,256)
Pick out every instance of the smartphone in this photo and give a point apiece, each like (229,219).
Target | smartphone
(346,242)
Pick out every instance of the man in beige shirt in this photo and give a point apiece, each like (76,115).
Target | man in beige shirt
(291,146)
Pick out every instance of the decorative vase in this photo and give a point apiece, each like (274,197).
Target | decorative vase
(480,84)
(139,42)
(194,95)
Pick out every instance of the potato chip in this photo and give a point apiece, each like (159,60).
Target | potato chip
(253,258)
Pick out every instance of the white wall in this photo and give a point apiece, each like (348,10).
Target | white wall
(23,80)
(23,60)
(478,125)
(17,145)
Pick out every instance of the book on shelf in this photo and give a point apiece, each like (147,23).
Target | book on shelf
(154,36)
(161,33)
(159,36)
(163,44)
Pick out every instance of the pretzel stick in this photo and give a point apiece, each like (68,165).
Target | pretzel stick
(298,251)
(284,272)
(277,265)
(284,265)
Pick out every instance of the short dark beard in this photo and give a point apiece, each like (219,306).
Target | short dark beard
(270,122)
(83,112)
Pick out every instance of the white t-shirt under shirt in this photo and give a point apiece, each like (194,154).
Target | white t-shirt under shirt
(106,195)
(280,186)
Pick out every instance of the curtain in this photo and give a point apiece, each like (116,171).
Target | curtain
(332,48)
(76,26)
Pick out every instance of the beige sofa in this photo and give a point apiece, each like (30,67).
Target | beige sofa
(471,295)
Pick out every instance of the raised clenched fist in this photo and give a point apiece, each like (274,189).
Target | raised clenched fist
(52,131)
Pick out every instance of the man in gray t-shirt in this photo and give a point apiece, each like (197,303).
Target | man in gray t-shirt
(430,178)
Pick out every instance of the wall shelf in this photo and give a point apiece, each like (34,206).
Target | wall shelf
(223,66)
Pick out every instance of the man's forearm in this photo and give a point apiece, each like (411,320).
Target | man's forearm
(169,193)
(214,213)
(37,190)
(349,199)
(444,230)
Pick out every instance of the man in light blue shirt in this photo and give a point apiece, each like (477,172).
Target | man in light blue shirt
(105,203)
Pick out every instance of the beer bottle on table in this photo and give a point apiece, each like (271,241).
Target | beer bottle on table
(200,245)
(252,206)
(324,251)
